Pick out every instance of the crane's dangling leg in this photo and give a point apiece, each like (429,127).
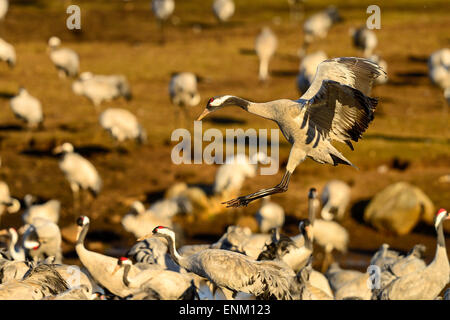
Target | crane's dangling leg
(296,156)
(75,197)
(328,258)
(243,201)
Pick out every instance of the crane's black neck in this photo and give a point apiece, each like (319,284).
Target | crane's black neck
(173,251)
(126,271)
(236,101)
(308,242)
(440,235)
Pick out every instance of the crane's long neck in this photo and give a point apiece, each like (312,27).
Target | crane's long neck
(126,271)
(311,210)
(325,213)
(263,67)
(308,241)
(81,236)
(440,258)
(181,261)
(264,110)
(16,254)
(440,236)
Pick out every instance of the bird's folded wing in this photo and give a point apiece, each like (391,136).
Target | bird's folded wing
(340,112)
(357,73)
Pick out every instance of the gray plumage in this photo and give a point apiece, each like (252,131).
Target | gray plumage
(348,283)
(7,203)
(7,51)
(100,88)
(162,9)
(78,293)
(306,288)
(48,210)
(153,251)
(27,108)
(3,8)
(335,107)
(242,240)
(265,47)
(65,60)
(335,198)
(439,70)
(122,125)
(234,271)
(317,25)
(308,68)
(383,65)
(42,239)
(100,266)
(270,215)
(425,283)
(140,221)
(402,265)
(169,285)
(79,172)
(39,282)
(364,39)
(16,250)
(12,270)
(223,9)
(183,89)
(384,256)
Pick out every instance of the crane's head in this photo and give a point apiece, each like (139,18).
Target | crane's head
(122,261)
(66,147)
(219,102)
(31,244)
(312,193)
(159,231)
(82,221)
(54,42)
(441,215)
(305,228)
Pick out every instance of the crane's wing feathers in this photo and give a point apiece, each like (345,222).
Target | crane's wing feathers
(340,112)
(265,279)
(357,73)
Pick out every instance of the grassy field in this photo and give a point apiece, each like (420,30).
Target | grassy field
(411,122)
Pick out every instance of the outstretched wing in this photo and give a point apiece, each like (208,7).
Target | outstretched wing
(357,73)
(337,103)
(340,112)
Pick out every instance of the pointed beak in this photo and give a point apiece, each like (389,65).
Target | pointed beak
(145,237)
(204,114)
(309,232)
(115,270)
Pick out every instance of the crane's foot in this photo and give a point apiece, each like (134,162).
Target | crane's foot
(238,202)
(243,201)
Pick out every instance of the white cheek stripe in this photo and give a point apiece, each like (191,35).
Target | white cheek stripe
(219,101)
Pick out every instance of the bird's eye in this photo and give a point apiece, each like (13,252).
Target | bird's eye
(211,100)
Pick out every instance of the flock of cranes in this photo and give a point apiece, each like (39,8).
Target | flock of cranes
(335,105)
